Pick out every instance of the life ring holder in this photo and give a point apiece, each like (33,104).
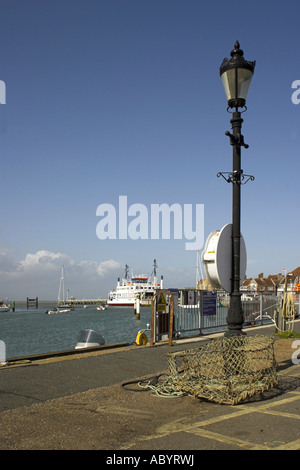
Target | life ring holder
(141,339)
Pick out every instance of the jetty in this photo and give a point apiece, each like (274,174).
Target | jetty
(144,302)
(32,302)
(86,301)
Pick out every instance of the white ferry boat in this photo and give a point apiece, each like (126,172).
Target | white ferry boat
(128,289)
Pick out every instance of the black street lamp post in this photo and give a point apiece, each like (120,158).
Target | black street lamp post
(236,74)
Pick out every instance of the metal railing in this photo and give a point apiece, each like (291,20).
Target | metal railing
(190,320)
(260,309)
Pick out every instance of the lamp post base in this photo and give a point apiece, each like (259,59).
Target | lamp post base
(232,333)
(235,316)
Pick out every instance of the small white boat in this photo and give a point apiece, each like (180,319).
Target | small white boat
(89,338)
(101,307)
(58,310)
(4,307)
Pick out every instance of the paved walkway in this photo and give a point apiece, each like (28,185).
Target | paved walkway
(87,402)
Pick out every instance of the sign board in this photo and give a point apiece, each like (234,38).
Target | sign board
(208,302)
(161,304)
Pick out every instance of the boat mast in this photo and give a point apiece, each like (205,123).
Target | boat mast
(154,272)
(61,290)
(199,271)
(126,271)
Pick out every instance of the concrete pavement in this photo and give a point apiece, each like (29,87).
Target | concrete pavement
(83,402)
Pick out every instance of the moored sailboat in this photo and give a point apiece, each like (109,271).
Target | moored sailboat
(62,303)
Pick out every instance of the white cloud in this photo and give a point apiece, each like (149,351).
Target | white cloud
(38,274)
(107,266)
(44,260)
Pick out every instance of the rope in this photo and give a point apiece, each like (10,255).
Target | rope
(288,312)
(151,381)
(163,389)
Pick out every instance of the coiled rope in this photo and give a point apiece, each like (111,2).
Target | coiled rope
(288,312)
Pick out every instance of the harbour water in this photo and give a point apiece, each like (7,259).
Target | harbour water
(31,331)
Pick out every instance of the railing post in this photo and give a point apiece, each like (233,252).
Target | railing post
(261,308)
(199,300)
(171,319)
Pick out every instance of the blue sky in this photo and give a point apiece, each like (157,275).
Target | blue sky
(123,97)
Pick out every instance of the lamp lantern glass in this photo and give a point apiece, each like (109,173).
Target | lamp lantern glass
(236,74)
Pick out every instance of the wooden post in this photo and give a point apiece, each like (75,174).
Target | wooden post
(152,321)
(169,317)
